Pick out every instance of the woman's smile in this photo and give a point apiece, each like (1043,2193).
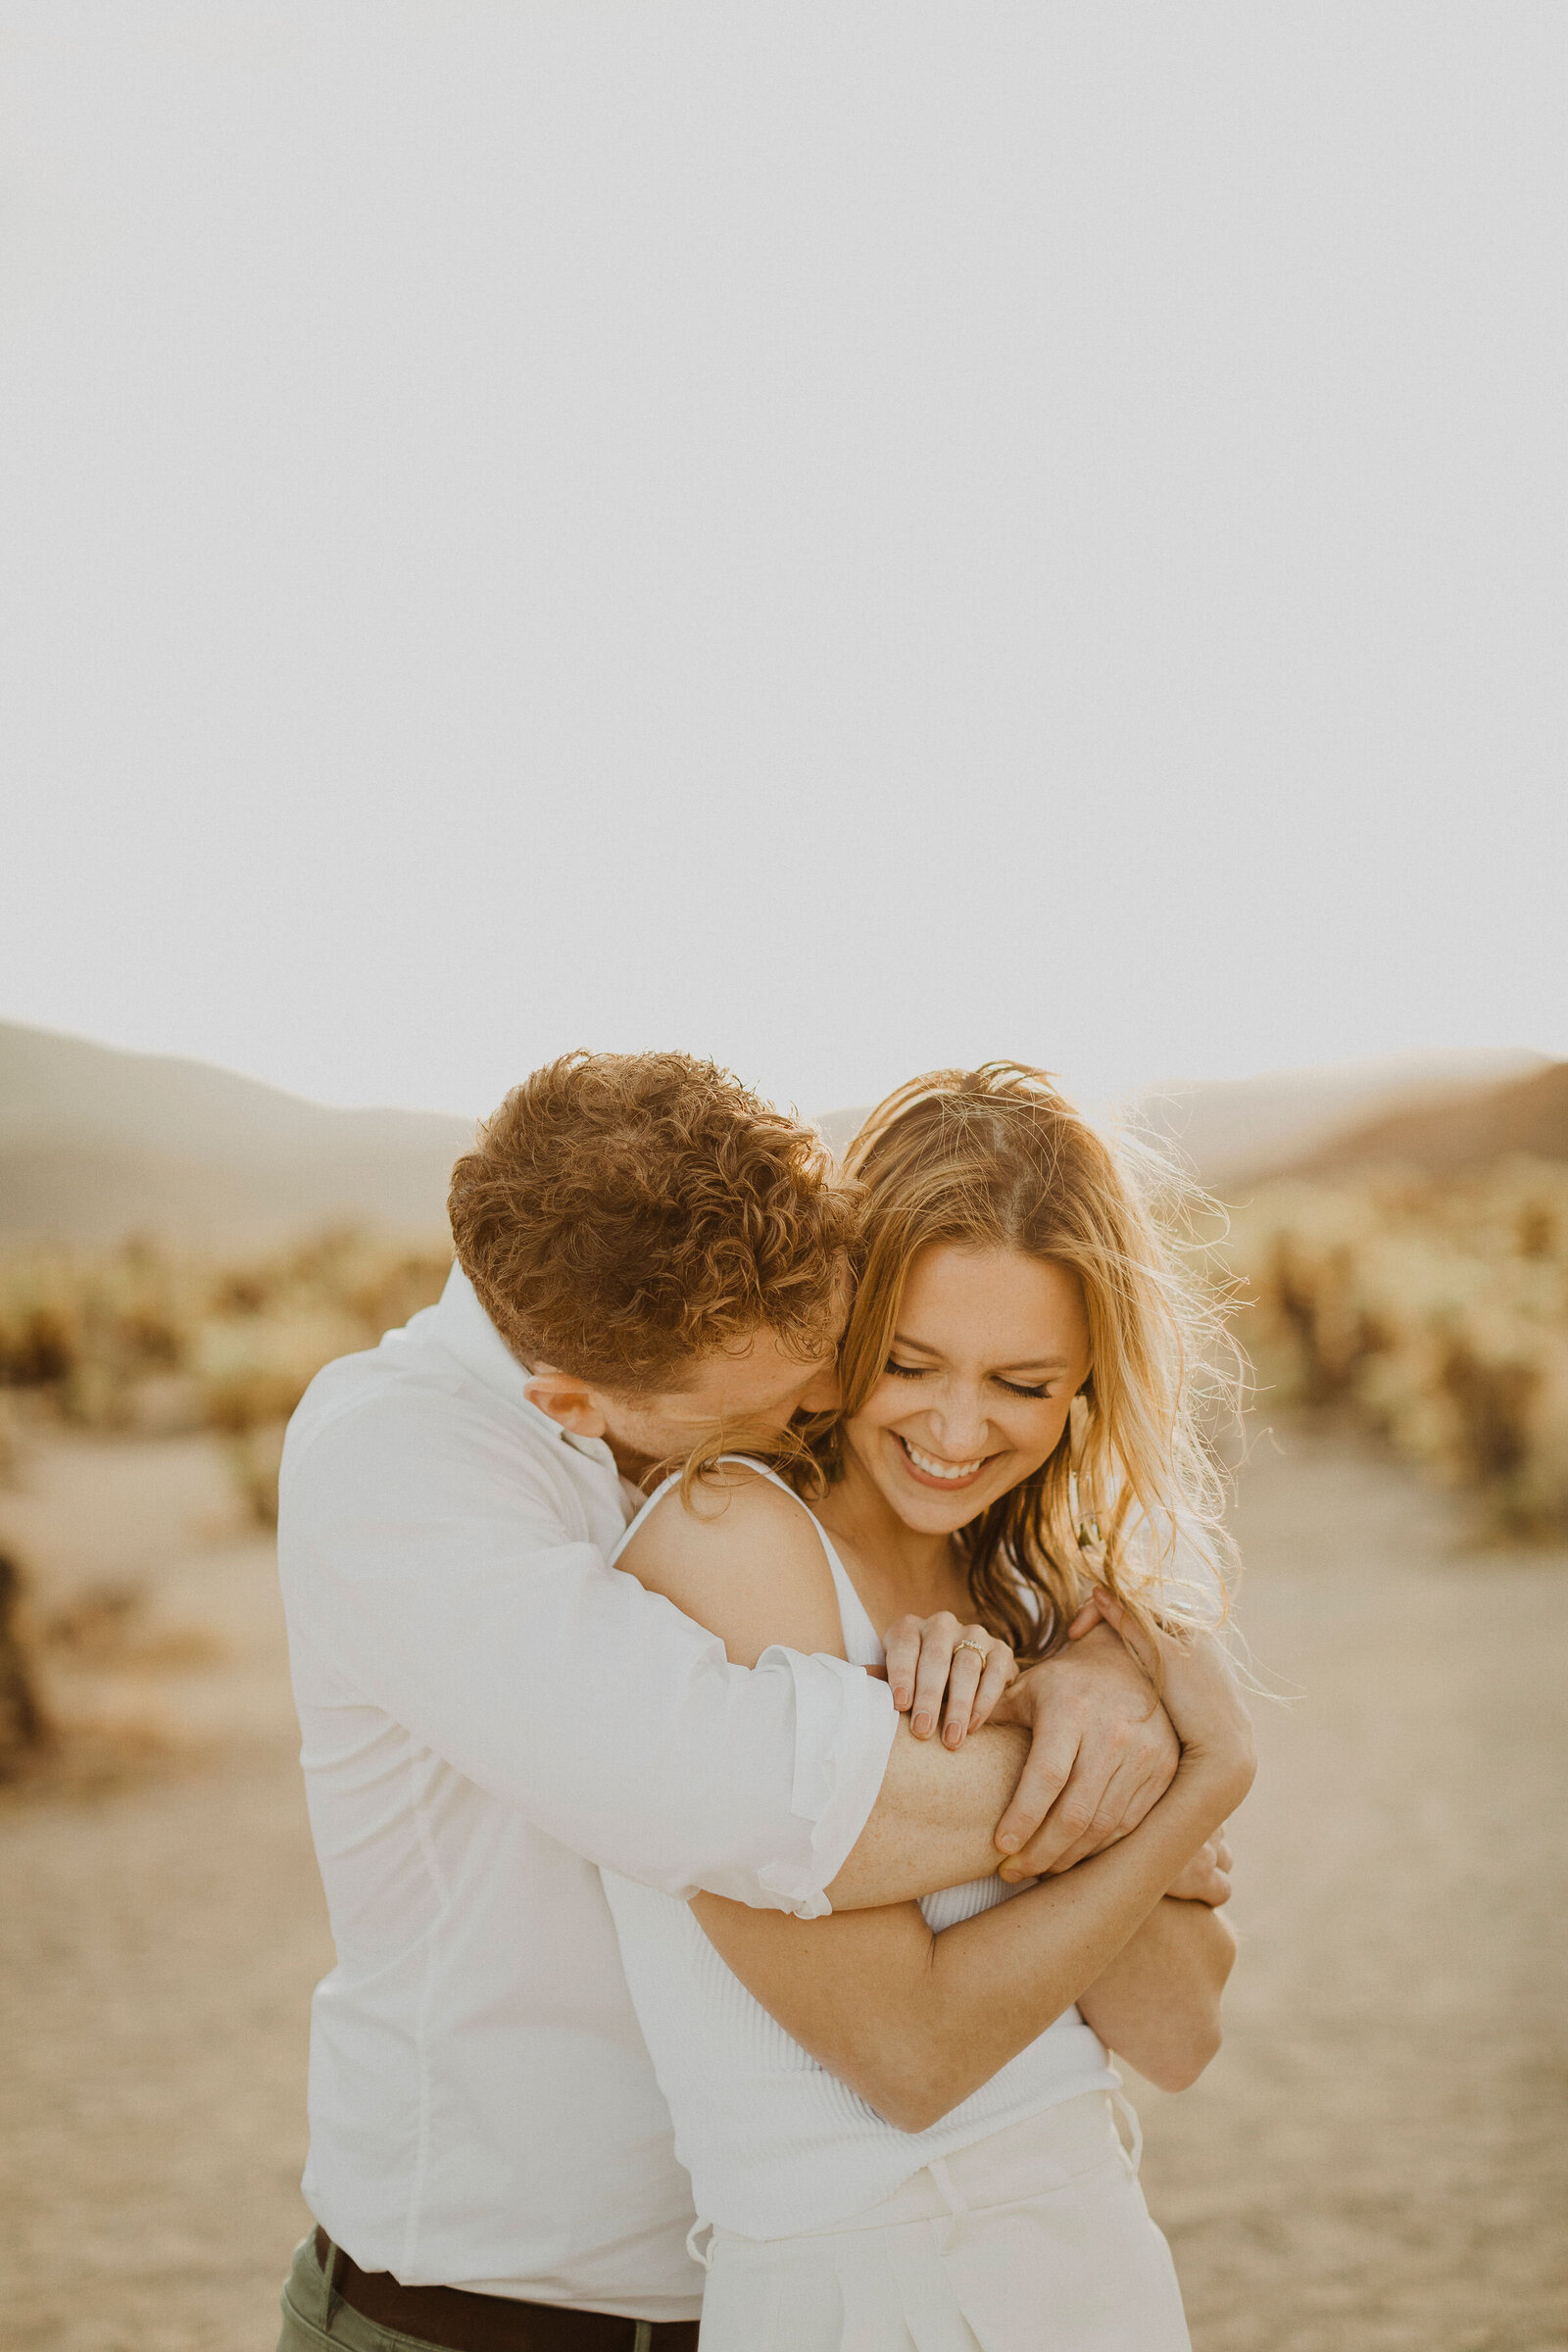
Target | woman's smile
(934,1469)
(989,1348)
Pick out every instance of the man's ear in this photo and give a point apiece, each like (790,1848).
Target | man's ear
(570,1401)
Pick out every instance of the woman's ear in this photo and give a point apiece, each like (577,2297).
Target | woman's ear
(570,1401)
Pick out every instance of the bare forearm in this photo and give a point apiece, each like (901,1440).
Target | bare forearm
(1079,1745)
(916,2022)
(1159,2003)
(934,1823)
(999,1981)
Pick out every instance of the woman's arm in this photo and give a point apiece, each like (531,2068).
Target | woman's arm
(1158,2002)
(1157,2006)
(916,2022)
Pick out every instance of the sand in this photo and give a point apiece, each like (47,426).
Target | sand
(1378,2158)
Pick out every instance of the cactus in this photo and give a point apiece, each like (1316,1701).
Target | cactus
(1434,1308)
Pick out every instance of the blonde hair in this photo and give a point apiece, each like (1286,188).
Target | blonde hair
(998,1158)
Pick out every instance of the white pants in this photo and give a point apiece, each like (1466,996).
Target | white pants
(1034,2240)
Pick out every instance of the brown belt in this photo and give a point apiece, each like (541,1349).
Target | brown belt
(458,2321)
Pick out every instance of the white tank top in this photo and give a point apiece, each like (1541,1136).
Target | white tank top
(774,2142)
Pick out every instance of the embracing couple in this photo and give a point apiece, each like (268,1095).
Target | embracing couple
(685,1967)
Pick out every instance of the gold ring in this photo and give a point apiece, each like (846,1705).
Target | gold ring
(981,1655)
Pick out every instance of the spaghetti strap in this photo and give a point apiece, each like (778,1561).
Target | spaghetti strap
(863,1644)
(743,1461)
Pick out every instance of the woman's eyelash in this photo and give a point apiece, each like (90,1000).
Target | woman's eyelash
(920,1371)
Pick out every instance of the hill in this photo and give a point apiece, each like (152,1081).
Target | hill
(1229,1130)
(1467,1131)
(97,1144)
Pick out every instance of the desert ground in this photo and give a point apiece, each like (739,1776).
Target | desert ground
(1377,2161)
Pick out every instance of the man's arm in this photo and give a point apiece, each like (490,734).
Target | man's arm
(1076,1755)
(431,1572)
(427,1570)
(1085,1740)
(934,1823)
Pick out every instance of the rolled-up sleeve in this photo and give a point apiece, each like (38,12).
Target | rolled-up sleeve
(840,1754)
(449,1596)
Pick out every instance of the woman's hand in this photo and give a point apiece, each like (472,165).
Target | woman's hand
(1207,1878)
(1196,1683)
(929,1657)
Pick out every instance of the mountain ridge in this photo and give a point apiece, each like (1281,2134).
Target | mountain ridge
(1526,1115)
(1232,1132)
(96,1143)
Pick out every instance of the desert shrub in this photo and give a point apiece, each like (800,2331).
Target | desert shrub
(255,1458)
(1436,1310)
(145,1335)
(87,1326)
(26,1731)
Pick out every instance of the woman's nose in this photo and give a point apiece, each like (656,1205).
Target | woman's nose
(958,1424)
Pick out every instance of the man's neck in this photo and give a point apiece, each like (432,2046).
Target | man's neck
(637,1468)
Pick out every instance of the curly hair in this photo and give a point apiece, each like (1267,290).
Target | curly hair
(999,1159)
(624,1214)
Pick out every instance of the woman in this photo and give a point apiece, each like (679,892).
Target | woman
(898,2123)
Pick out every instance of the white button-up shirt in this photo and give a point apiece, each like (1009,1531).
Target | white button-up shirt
(489,1713)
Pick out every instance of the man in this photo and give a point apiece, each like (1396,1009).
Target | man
(646,1255)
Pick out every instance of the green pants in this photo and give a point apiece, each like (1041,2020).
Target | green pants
(313,2315)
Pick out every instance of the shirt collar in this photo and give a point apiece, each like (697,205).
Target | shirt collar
(462,1327)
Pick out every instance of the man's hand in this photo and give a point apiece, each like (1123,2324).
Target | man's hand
(1104,1754)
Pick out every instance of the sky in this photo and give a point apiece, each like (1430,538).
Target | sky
(844,538)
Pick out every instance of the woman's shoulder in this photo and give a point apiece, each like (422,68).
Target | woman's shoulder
(734,1515)
(742,1557)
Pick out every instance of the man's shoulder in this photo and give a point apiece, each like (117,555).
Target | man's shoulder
(357,1394)
(409,1403)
